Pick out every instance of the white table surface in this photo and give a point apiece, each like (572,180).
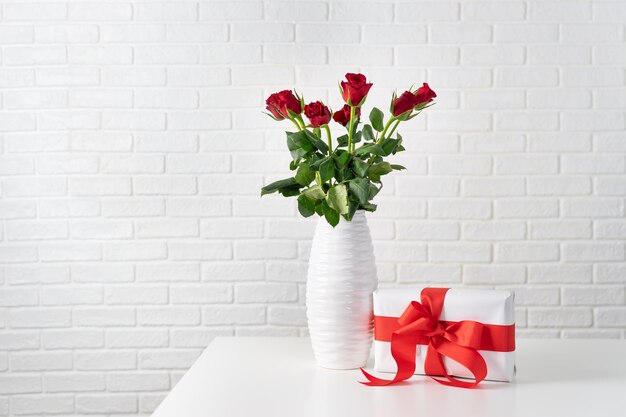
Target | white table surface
(277,377)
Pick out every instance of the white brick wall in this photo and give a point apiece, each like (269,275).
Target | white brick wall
(132,150)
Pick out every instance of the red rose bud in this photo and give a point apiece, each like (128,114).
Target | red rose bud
(424,94)
(279,104)
(355,90)
(403,103)
(318,114)
(343,116)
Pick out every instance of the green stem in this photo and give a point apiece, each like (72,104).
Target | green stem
(296,123)
(318,178)
(302,122)
(394,128)
(352,112)
(382,135)
(330,141)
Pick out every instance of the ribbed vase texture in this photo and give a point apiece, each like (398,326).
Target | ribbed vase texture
(341,279)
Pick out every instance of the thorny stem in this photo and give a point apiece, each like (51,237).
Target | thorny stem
(352,112)
(330,141)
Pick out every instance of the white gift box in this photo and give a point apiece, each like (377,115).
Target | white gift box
(484,306)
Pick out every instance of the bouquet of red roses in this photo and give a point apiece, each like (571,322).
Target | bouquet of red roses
(338,178)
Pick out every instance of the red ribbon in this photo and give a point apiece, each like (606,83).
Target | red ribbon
(459,341)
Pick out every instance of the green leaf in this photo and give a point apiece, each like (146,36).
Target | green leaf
(317,132)
(376,117)
(298,144)
(317,142)
(278,185)
(381,168)
(371,148)
(314,193)
(360,187)
(345,174)
(306,207)
(369,207)
(342,140)
(389,146)
(360,167)
(397,167)
(337,198)
(342,158)
(356,137)
(332,217)
(290,191)
(305,175)
(352,208)
(319,207)
(368,133)
(374,190)
(327,169)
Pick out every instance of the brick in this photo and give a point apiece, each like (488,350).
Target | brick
(526,208)
(562,229)
(537,296)
(427,230)
(431,11)
(75,295)
(527,252)
(131,295)
(167,228)
(494,274)
(157,272)
(106,403)
(559,185)
(594,295)
(493,187)
(490,11)
(40,274)
(19,340)
(37,229)
(252,250)
(164,11)
(104,361)
(229,315)
(155,185)
(333,33)
(560,317)
(287,315)
(582,252)
(610,229)
(172,359)
(39,318)
(497,230)
(557,11)
(611,317)
(168,316)
(228,11)
(101,317)
(136,338)
(298,12)
(20,384)
(191,251)
(121,251)
(38,404)
(467,33)
(459,252)
(456,209)
(286,271)
(100,272)
(292,229)
(266,293)
(68,382)
(493,142)
(70,251)
(559,274)
(187,338)
(214,293)
(44,361)
(72,339)
(100,11)
(596,207)
(428,273)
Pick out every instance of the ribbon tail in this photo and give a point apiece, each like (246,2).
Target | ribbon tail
(469,358)
(403,350)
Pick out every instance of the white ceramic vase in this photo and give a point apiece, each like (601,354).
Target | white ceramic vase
(341,279)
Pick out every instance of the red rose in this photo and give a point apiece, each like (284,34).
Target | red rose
(355,90)
(343,116)
(279,103)
(317,113)
(403,103)
(424,94)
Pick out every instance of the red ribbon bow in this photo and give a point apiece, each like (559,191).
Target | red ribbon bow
(460,341)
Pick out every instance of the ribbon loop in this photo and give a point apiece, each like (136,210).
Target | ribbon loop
(460,341)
